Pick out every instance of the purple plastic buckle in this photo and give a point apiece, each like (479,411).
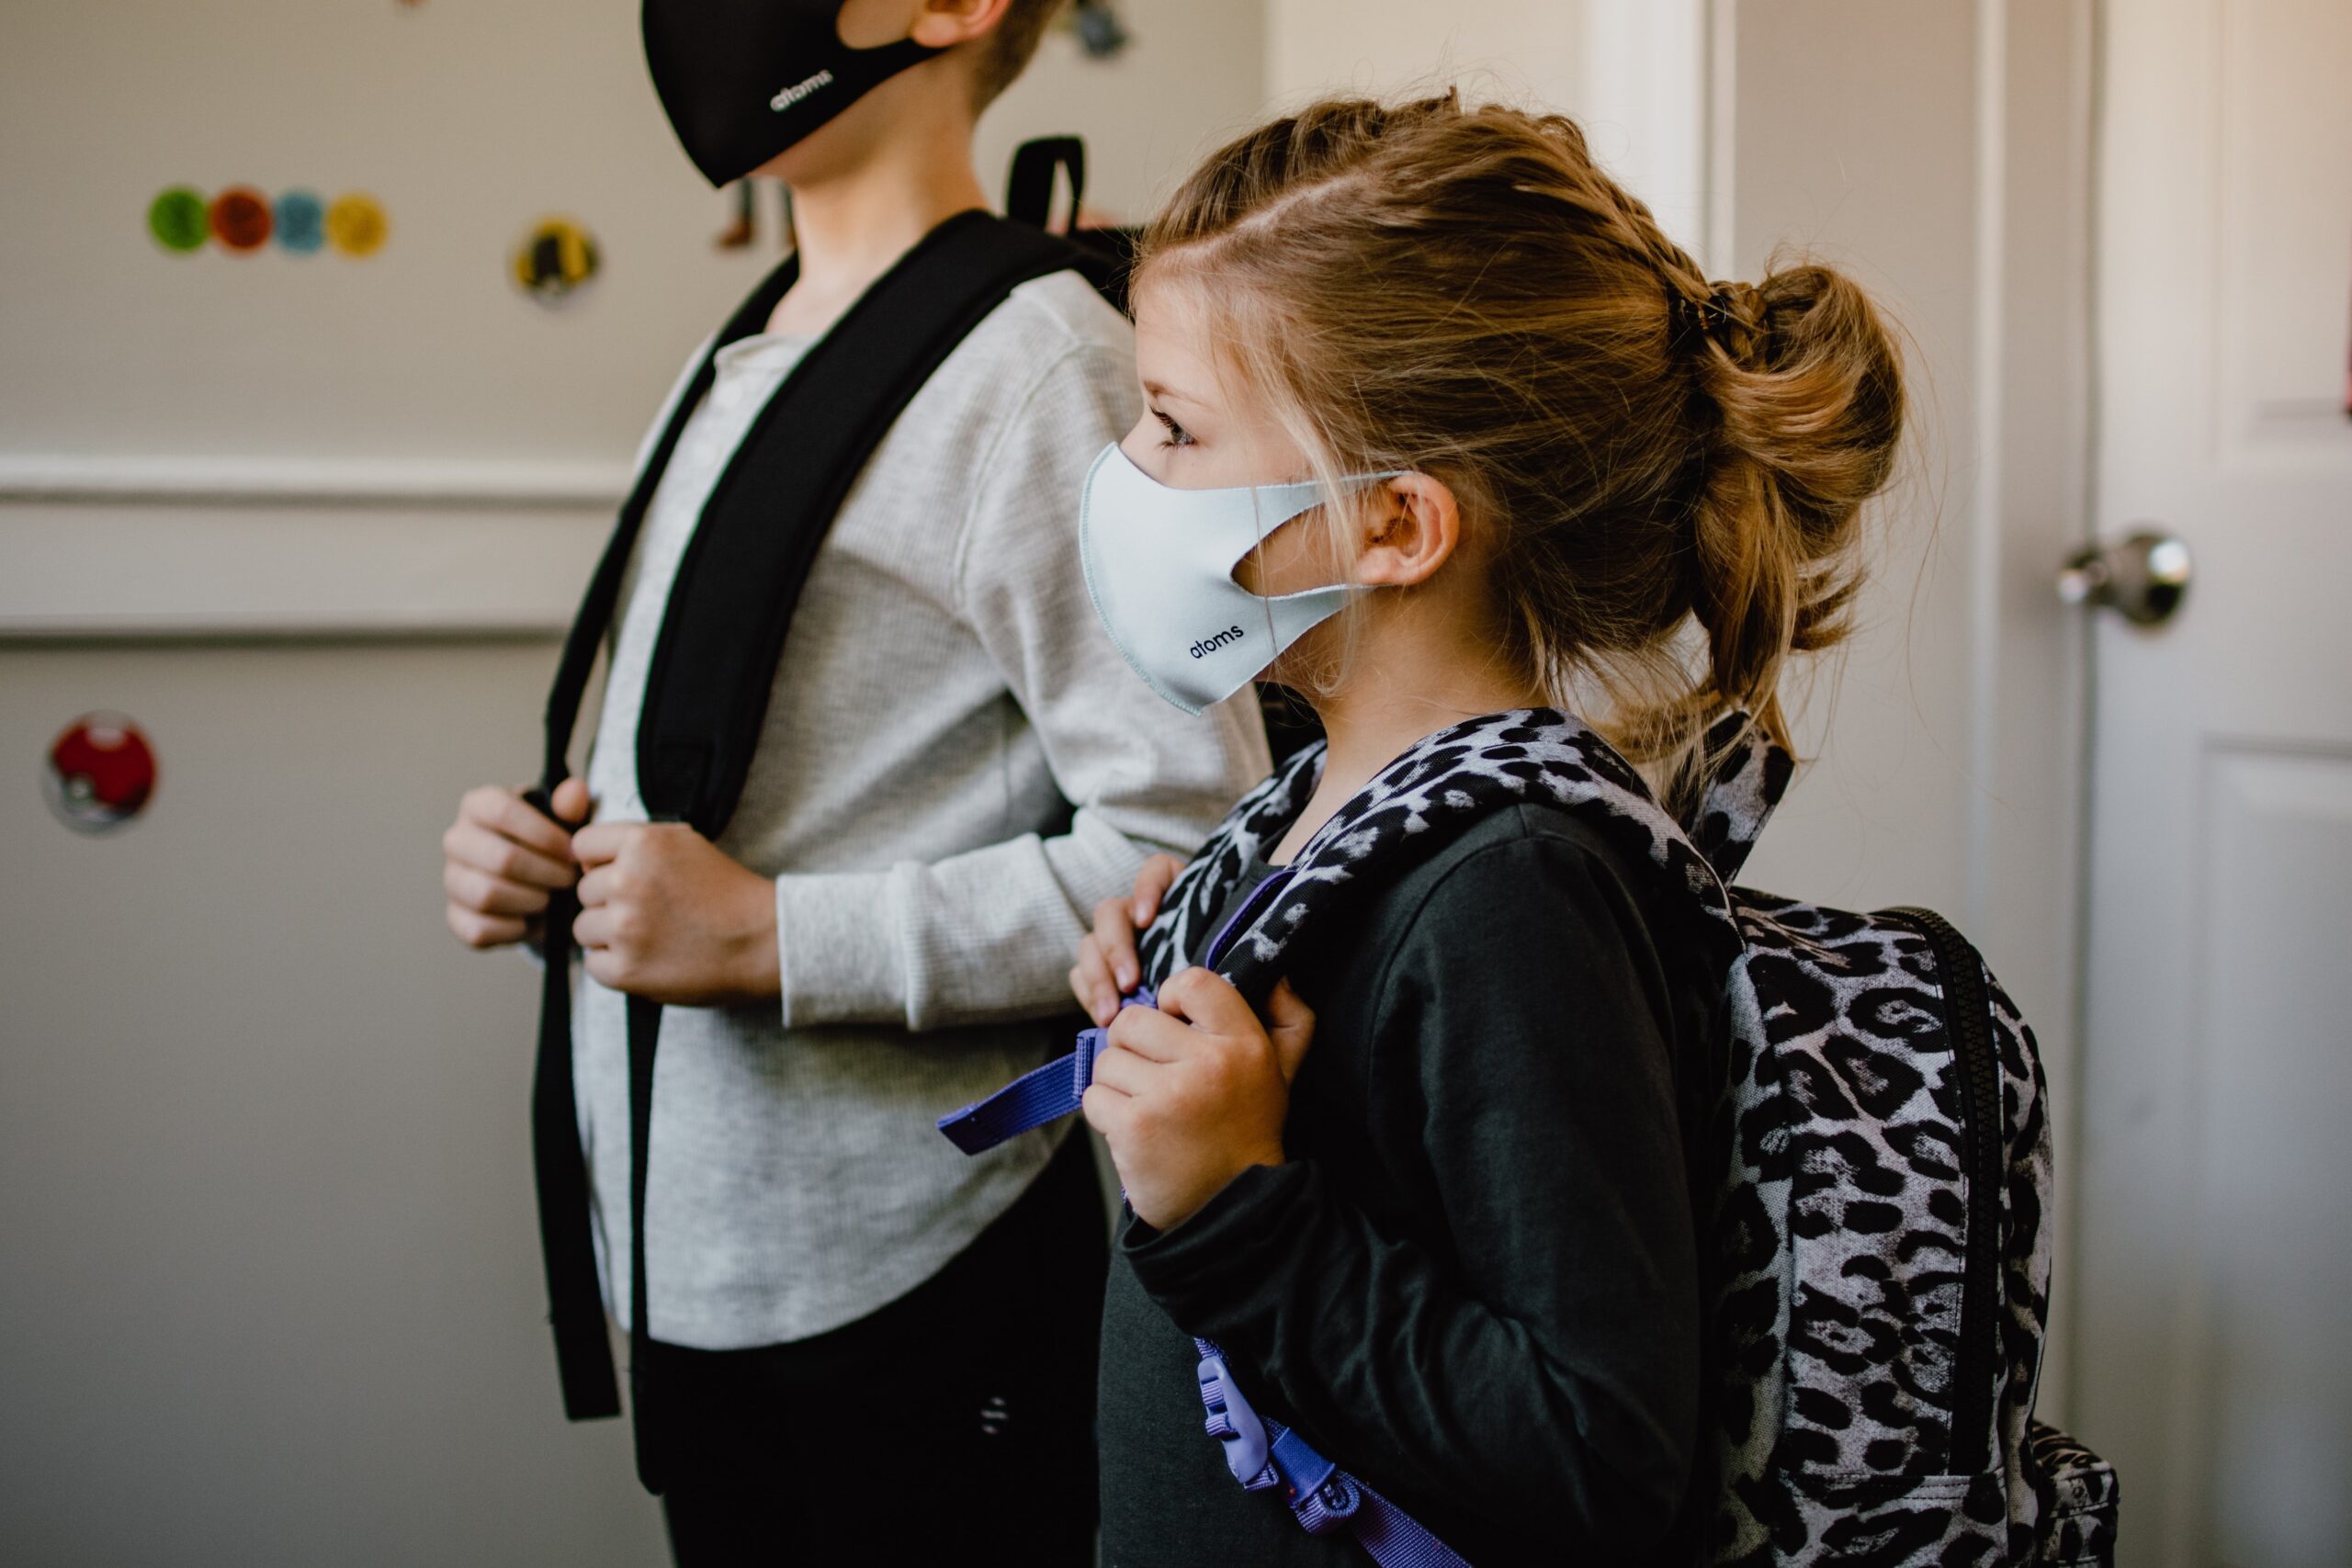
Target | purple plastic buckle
(1232,1423)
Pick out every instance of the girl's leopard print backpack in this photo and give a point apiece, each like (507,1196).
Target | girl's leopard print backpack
(1883,1252)
(1885,1237)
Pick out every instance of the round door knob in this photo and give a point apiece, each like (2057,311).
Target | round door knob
(2143,576)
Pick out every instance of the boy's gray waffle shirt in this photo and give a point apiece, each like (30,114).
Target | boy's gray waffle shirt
(957,765)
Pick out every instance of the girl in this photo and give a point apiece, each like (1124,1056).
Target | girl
(1536,462)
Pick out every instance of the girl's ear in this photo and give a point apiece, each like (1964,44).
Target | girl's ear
(1411,527)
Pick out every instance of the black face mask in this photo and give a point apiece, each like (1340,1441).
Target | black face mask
(743,80)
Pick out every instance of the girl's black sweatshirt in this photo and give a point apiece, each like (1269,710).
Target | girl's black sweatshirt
(1477,1284)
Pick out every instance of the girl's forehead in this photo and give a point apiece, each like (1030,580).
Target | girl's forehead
(1170,313)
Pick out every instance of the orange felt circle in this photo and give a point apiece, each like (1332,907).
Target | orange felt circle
(240,218)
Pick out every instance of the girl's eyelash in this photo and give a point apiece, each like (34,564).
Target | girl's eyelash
(1177,435)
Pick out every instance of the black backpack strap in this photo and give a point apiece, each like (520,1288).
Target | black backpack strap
(714,665)
(1029,188)
(567,1247)
(713,668)
(1105,257)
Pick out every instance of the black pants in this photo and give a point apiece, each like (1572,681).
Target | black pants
(958,1417)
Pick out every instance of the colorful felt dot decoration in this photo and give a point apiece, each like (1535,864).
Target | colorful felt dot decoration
(555,260)
(302,222)
(357,225)
(101,772)
(240,218)
(180,220)
(243,220)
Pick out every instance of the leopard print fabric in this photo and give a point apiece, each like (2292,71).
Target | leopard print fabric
(1842,1224)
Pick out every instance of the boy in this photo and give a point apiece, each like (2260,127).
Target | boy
(855,1340)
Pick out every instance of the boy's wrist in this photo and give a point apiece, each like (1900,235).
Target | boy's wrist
(756,970)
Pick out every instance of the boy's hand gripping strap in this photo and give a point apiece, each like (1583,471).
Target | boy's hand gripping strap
(1325,1500)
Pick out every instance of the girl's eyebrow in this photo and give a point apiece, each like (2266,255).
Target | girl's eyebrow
(1170,394)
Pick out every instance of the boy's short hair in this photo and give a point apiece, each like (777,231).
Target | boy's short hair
(1007,48)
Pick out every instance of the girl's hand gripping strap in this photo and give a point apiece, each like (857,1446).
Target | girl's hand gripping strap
(1051,1092)
(1325,1500)
(1041,1095)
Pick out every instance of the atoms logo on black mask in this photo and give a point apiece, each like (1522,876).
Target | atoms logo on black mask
(1209,645)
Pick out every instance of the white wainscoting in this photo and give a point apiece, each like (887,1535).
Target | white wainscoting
(157,547)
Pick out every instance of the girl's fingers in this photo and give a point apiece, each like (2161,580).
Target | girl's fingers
(1124,1071)
(1091,982)
(1107,1111)
(1204,998)
(1114,941)
(1159,874)
(1151,1034)
(1290,1023)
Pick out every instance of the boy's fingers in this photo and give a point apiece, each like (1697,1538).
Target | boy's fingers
(490,894)
(470,844)
(596,887)
(595,846)
(1159,874)
(589,931)
(507,814)
(477,929)
(570,800)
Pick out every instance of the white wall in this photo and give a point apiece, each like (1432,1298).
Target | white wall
(1516,48)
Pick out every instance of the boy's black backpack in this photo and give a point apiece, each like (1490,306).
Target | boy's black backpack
(1883,1255)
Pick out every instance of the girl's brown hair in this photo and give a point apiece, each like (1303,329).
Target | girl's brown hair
(1461,291)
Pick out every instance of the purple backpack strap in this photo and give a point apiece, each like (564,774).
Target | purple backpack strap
(1048,1093)
(1263,1454)
(1038,1095)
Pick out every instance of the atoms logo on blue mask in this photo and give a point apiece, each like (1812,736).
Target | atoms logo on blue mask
(1209,645)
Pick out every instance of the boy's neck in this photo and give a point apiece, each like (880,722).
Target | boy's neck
(852,223)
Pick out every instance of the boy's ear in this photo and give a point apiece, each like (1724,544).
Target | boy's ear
(1411,525)
(935,24)
(944,24)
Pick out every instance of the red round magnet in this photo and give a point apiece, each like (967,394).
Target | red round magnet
(101,772)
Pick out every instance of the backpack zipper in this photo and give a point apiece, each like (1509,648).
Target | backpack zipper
(1968,1022)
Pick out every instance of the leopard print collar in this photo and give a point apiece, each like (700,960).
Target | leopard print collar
(1421,801)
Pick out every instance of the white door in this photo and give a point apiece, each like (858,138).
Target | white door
(2215,1209)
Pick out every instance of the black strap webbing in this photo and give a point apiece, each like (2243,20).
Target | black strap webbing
(713,668)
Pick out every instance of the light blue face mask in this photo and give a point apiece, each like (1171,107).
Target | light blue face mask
(1160,562)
